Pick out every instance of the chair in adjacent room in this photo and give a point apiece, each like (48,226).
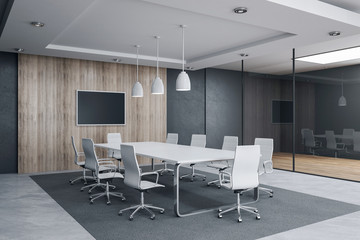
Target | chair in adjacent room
(104,170)
(230,143)
(243,176)
(348,142)
(356,142)
(197,140)
(114,138)
(310,142)
(172,138)
(80,164)
(133,178)
(266,164)
(331,143)
(303,137)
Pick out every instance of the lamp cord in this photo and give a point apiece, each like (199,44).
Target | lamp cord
(183,50)
(157,57)
(137,64)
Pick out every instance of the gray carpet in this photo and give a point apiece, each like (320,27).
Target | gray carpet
(286,210)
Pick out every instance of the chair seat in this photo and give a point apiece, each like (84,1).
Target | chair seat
(147,185)
(81,164)
(106,167)
(107,175)
(218,165)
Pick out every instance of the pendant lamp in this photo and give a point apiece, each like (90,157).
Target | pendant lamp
(137,90)
(183,80)
(157,86)
(342,99)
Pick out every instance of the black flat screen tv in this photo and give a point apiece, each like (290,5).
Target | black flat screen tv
(282,111)
(100,108)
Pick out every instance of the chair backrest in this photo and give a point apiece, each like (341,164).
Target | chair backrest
(303,135)
(132,170)
(348,132)
(172,138)
(309,138)
(266,150)
(330,139)
(114,138)
(245,168)
(198,140)
(76,160)
(357,141)
(230,143)
(91,161)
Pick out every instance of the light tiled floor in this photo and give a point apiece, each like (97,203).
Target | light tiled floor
(27,212)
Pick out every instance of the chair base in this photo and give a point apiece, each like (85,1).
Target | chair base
(83,177)
(95,185)
(192,175)
(267,190)
(221,180)
(239,207)
(142,205)
(165,169)
(107,193)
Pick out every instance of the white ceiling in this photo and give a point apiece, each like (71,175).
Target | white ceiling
(106,29)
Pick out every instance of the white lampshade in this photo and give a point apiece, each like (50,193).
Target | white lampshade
(157,86)
(183,82)
(137,90)
(342,101)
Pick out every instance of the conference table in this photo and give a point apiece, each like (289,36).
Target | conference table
(338,136)
(178,155)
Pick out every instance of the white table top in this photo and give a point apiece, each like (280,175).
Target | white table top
(174,153)
(340,136)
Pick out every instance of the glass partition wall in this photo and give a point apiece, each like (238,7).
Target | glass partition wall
(328,122)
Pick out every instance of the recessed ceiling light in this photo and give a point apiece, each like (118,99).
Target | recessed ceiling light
(117,60)
(334,33)
(37,24)
(19,49)
(244,54)
(333,56)
(189,68)
(240,10)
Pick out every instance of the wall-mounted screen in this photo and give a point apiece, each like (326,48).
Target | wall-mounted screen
(282,111)
(100,108)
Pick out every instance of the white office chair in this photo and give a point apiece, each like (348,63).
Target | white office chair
(172,138)
(310,142)
(114,138)
(197,140)
(244,175)
(332,144)
(230,143)
(79,163)
(133,179)
(348,142)
(356,142)
(266,164)
(102,172)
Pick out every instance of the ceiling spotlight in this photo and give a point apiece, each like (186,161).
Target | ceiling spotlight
(334,33)
(244,54)
(240,10)
(19,49)
(117,60)
(37,24)
(189,68)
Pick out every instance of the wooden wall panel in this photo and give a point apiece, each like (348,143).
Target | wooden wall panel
(47,112)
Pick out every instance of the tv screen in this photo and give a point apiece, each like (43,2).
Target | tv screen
(100,108)
(282,111)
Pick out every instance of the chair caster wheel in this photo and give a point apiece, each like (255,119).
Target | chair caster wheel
(90,197)
(219,187)
(204,178)
(256,211)
(108,203)
(120,213)
(258,217)
(161,174)
(123,199)
(219,210)
(81,190)
(152,217)
(162,211)
(219,216)
(91,202)
(271,195)
(89,192)
(70,181)
(180,178)
(239,220)
(85,183)
(131,218)
(192,180)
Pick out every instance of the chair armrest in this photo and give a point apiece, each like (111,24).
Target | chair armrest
(151,173)
(226,174)
(268,166)
(341,145)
